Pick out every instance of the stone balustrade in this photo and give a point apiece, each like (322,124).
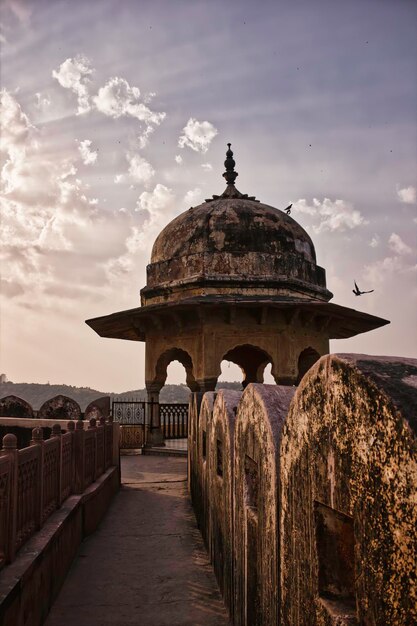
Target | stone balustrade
(36,480)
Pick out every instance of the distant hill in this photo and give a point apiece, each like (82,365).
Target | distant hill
(36,394)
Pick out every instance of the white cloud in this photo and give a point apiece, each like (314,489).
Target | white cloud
(14,124)
(42,101)
(374,243)
(207,167)
(408,195)
(140,170)
(154,210)
(192,197)
(178,159)
(16,134)
(197,135)
(74,74)
(392,266)
(143,139)
(89,157)
(49,221)
(156,202)
(118,99)
(334,215)
(398,246)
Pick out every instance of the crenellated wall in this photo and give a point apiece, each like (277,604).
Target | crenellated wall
(307,496)
(220,491)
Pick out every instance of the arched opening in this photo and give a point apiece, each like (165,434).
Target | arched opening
(175,388)
(231,376)
(177,357)
(306,360)
(251,362)
(268,378)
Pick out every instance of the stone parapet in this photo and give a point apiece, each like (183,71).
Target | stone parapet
(318,485)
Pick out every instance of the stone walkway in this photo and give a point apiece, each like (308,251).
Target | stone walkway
(146,564)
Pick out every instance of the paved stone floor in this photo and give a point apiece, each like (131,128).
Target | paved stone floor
(146,564)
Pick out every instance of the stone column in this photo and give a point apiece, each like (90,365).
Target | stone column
(152,426)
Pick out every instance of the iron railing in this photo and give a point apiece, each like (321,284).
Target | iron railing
(135,422)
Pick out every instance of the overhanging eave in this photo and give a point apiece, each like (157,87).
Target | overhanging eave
(338,322)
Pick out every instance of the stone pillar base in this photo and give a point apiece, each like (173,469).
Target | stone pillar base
(155,438)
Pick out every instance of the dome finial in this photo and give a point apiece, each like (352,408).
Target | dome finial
(230,174)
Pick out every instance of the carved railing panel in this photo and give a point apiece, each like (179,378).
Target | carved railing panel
(131,436)
(28,487)
(50,476)
(89,456)
(66,465)
(35,481)
(5,479)
(100,450)
(174,420)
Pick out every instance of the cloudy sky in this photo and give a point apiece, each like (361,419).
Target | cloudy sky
(115,119)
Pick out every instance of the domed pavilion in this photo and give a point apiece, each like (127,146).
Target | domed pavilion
(238,280)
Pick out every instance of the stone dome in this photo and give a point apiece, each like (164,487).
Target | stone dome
(232,226)
(233,245)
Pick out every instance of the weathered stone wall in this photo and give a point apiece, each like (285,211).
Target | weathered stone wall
(348,485)
(220,490)
(193,415)
(320,487)
(261,414)
(201,503)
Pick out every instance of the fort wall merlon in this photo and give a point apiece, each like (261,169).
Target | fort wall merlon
(220,490)
(348,489)
(320,491)
(259,421)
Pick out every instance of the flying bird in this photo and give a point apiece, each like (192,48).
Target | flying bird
(288,209)
(358,292)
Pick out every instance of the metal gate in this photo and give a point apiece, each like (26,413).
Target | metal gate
(131,415)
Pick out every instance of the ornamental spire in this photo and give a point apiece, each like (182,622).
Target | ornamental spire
(230,175)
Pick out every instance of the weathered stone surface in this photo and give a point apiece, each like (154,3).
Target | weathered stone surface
(234,241)
(261,414)
(13,406)
(60,407)
(220,491)
(30,584)
(348,485)
(192,470)
(200,503)
(98,408)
